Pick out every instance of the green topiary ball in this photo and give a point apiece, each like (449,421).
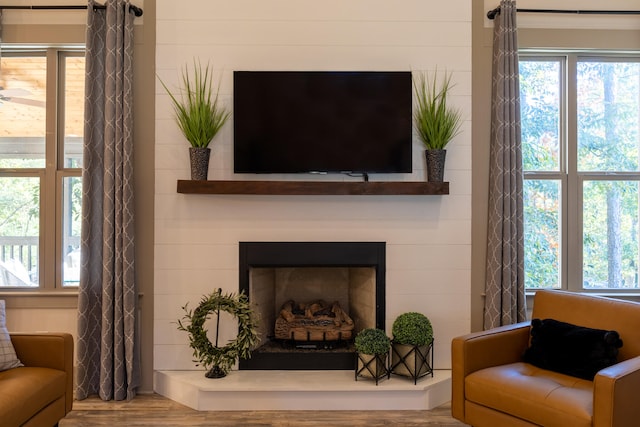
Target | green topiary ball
(372,341)
(412,329)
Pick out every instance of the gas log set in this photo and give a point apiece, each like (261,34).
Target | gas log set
(316,321)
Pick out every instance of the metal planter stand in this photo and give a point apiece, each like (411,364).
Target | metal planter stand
(412,361)
(372,366)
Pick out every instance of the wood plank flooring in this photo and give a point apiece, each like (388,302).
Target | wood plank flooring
(154,410)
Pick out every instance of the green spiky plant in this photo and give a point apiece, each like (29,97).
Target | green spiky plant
(199,113)
(436,122)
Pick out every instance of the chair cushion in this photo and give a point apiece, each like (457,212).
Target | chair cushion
(26,391)
(571,349)
(536,395)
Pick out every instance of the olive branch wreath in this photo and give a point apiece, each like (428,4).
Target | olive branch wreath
(219,359)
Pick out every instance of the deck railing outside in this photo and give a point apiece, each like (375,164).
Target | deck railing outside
(19,261)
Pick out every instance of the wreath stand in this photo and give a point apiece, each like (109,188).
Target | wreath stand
(216,371)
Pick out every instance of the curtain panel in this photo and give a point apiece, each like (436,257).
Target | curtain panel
(107,348)
(0,39)
(505,298)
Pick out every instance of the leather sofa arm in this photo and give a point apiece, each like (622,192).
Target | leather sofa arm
(47,350)
(479,350)
(615,395)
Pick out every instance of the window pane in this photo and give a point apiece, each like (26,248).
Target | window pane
(540,113)
(22,112)
(72,220)
(74,111)
(542,233)
(610,234)
(19,231)
(608,116)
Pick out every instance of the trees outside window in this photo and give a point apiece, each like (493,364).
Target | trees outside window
(41,132)
(581,156)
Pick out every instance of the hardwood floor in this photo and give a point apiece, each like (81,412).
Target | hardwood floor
(155,410)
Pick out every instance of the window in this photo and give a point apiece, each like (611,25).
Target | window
(41,130)
(581,157)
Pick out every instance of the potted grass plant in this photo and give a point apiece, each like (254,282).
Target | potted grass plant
(435,121)
(372,352)
(199,114)
(411,346)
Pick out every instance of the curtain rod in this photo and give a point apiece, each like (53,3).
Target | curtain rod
(492,13)
(135,9)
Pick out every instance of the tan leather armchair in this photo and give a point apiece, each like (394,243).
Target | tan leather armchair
(493,387)
(41,392)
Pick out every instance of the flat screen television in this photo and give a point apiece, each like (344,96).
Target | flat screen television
(322,122)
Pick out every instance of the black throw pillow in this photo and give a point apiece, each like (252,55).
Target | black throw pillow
(570,349)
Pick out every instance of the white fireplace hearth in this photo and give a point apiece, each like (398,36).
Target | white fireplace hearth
(298,377)
(351,273)
(301,390)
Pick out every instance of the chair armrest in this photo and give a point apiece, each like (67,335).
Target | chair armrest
(479,350)
(615,395)
(47,350)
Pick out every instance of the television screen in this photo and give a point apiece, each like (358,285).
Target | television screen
(318,121)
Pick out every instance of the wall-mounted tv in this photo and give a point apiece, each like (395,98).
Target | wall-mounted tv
(319,121)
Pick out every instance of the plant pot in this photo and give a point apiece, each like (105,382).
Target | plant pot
(411,361)
(372,366)
(435,165)
(199,160)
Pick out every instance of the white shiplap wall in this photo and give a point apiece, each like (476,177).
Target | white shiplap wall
(196,236)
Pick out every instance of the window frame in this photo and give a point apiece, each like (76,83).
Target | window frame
(52,175)
(570,178)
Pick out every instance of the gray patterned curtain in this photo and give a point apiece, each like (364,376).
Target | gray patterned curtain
(505,299)
(0,39)
(108,353)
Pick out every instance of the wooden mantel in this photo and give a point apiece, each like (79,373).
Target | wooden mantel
(313,187)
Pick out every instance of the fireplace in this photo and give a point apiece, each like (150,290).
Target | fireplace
(279,276)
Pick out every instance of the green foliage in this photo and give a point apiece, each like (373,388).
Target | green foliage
(20,221)
(608,116)
(608,131)
(436,122)
(542,233)
(19,206)
(199,113)
(204,351)
(540,115)
(372,341)
(76,206)
(610,210)
(412,329)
